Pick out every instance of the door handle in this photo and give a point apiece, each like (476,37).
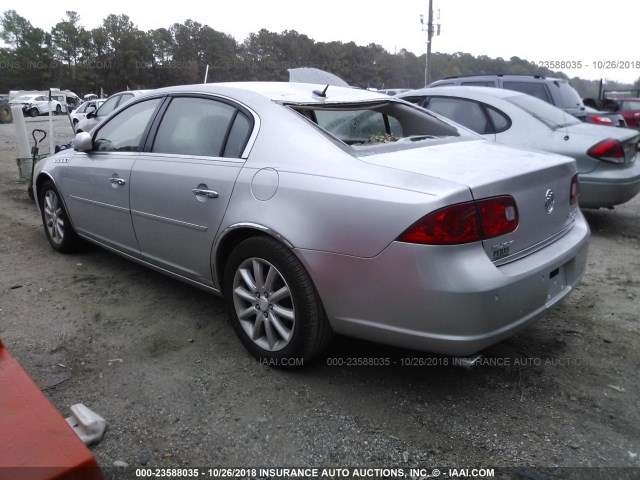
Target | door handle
(117,181)
(199,192)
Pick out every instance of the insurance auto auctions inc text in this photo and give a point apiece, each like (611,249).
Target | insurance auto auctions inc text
(374,473)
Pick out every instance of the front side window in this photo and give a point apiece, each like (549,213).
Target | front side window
(123,132)
(203,127)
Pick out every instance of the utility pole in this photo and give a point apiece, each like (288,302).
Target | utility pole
(429,28)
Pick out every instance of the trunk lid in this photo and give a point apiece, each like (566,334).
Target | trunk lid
(539,182)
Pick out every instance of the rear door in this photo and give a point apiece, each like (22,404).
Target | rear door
(182,183)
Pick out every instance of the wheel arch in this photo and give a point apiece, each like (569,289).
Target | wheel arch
(231,237)
(43,177)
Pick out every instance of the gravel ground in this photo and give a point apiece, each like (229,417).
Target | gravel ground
(159,361)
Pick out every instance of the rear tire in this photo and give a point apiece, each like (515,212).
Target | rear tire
(272,303)
(58,109)
(34,112)
(55,220)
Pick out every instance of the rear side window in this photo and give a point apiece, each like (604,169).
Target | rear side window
(500,121)
(238,136)
(202,127)
(465,112)
(538,90)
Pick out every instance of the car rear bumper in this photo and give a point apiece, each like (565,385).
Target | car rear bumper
(444,299)
(609,187)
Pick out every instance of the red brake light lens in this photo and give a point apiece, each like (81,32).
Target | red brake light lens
(446,226)
(575,190)
(498,216)
(608,150)
(465,222)
(600,120)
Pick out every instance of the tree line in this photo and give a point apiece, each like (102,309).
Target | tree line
(118,56)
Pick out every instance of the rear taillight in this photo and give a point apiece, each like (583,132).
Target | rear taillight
(600,120)
(465,222)
(498,216)
(608,150)
(574,191)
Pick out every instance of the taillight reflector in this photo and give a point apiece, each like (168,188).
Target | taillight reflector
(465,222)
(608,150)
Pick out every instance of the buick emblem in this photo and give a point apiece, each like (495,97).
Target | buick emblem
(549,200)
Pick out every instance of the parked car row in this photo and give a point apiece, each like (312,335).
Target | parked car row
(627,107)
(556,91)
(606,156)
(316,209)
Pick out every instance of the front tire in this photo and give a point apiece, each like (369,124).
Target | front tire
(272,303)
(55,220)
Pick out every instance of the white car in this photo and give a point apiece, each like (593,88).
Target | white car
(112,103)
(87,107)
(34,105)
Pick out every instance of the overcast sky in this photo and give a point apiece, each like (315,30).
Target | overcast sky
(541,30)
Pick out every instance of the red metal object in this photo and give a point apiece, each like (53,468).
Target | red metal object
(36,443)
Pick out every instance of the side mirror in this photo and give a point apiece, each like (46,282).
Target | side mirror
(83,142)
(91,114)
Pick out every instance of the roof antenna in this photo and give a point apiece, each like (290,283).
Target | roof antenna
(323,93)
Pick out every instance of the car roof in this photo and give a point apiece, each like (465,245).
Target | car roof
(285,92)
(504,75)
(472,92)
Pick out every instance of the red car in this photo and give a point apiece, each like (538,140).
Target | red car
(629,108)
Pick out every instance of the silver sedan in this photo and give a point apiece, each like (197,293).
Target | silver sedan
(606,156)
(318,209)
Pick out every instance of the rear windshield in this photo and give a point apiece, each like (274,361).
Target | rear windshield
(630,105)
(379,124)
(551,116)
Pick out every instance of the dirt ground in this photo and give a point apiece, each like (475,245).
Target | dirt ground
(159,361)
